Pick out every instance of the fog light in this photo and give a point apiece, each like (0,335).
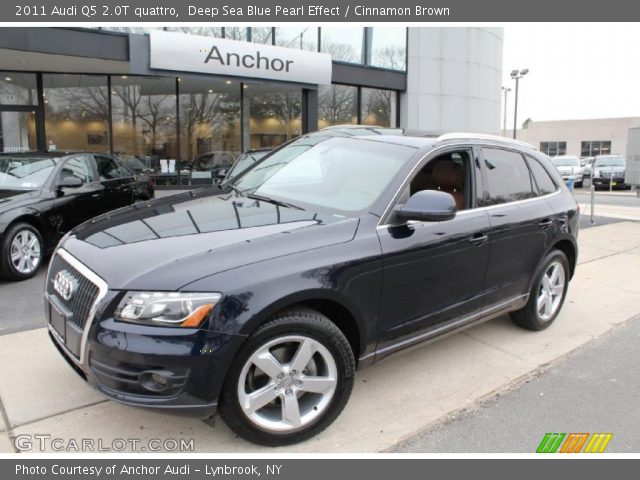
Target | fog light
(155,381)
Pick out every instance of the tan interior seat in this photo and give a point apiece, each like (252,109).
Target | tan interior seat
(446,176)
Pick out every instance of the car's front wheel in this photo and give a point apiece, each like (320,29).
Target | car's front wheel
(21,252)
(547,294)
(289,381)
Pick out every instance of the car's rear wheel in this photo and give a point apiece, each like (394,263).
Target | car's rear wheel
(289,381)
(547,294)
(21,252)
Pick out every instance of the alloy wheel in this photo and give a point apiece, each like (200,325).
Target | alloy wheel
(551,291)
(25,252)
(287,383)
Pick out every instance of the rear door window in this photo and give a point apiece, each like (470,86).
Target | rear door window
(508,176)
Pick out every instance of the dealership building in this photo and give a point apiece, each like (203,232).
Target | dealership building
(583,137)
(167,95)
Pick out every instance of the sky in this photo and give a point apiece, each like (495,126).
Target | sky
(575,70)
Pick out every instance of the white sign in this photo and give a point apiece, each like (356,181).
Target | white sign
(195,53)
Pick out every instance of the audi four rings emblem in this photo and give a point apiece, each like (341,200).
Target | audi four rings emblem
(65,284)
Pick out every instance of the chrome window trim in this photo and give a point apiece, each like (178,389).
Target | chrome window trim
(388,209)
(103,288)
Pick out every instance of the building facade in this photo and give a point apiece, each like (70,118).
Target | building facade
(166,96)
(584,138)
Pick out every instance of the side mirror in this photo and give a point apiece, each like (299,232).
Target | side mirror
(429,206)
(221,174)
(70,182)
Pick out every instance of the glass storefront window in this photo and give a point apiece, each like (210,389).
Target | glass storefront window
(389,47)
(203,31)
(77,112)
(274,114)
(262,35)
(17,131)
(18,88)
(210,137)
(343,43)
(144,121)
(235,33)
(337,105)
(302,38)
(378,107)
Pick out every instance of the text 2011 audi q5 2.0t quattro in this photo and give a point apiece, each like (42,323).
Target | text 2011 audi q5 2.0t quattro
(261,297)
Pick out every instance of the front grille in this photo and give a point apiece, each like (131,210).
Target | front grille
(84,296)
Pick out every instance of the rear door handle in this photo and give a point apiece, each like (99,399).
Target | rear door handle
(545,224)
(478,239)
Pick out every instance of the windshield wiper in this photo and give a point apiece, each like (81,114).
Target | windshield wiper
(280,203)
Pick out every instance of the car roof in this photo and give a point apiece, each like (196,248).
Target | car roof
(416,138)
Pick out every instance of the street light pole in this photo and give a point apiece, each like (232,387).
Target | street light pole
(504,114)
(517,75)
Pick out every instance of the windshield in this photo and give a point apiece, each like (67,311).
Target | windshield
(335,173)
(245,161)
(613,161)
(25,173)
(566,162)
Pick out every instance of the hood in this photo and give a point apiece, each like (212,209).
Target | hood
(10,199)
(170,242)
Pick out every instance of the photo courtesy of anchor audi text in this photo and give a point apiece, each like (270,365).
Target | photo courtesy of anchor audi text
(293,238)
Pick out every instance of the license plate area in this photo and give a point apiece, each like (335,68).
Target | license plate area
(58,320)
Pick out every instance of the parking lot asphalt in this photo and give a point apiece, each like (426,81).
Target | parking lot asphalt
(392,401)
(596,389)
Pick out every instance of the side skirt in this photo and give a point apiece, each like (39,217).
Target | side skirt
(447,328)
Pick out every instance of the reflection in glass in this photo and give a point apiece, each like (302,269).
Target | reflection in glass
(389,47)
(17,131)
(209,125)
(144,120)
(203,31)
(378,107)
(274,114)
(302,38)
(337,105)
(343,43)
(235,33)
(262,35)
(77,112)
(18,88)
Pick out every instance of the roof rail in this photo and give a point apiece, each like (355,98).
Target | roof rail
(483,136)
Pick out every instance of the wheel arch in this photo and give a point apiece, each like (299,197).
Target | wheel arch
(570,250)
(333,307)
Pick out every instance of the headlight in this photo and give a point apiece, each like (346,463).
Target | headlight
(596,173)
(167,308)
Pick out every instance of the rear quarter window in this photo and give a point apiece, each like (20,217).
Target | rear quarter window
(543,180)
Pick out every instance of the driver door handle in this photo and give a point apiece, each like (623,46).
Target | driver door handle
(478,239)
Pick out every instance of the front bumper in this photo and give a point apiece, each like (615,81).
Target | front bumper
(176,370)
(605,181)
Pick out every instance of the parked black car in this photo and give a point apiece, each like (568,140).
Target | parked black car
(43,195)
(334,251)
(145,183)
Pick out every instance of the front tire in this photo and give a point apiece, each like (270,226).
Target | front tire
(21,252)
(547,294)
(290,380)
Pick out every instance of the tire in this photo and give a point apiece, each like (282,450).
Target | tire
(12,268)
(331,363)
(578,185)
(530,316)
